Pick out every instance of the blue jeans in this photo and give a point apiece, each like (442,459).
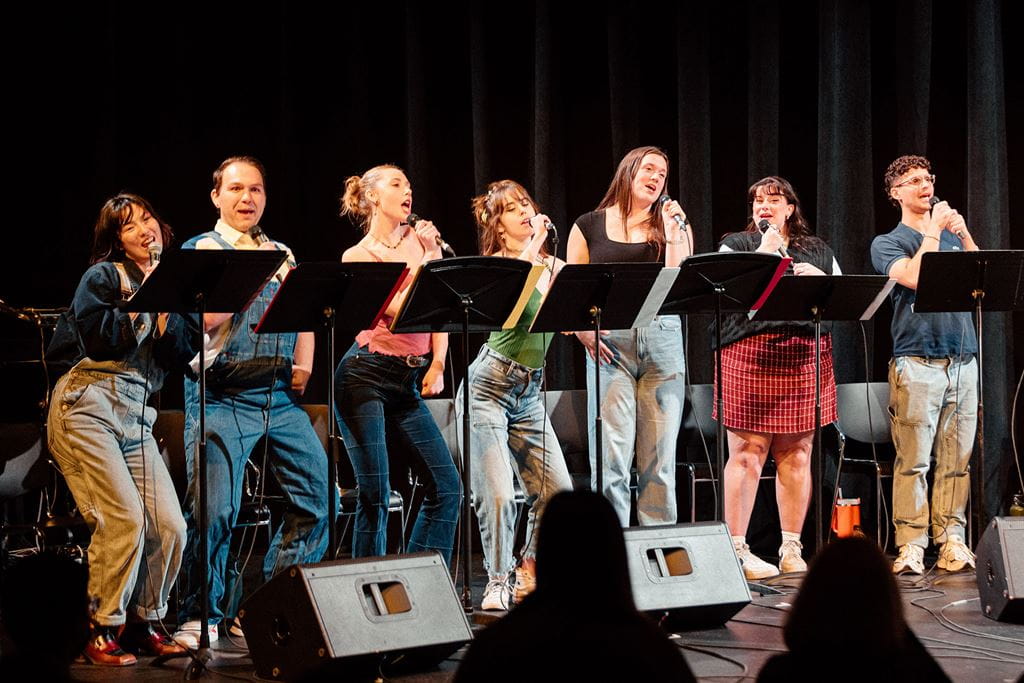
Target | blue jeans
(933,405)
(642,409)
(511,436)
(379,396)
(235,422)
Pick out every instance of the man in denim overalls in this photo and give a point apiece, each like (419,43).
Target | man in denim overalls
(252,388)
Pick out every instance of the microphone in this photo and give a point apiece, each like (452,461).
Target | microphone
(763,225)
(664,199)
(260,238)
(445,247)
(154,250)
(932,201)
(257,235)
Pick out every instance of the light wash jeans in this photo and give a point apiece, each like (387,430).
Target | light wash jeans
(511,436)
(933,405)
(642,408)
(101,434)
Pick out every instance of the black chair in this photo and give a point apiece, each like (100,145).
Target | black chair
(31,480)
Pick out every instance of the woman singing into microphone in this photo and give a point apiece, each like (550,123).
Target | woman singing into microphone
(768,382)
(382,377)
(512,435)
(642,385)
(100,431)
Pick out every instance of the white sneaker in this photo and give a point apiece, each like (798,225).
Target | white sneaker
(497,595)
(910,560)
(187,634)
(791,557)
(753,566)
(954,555)
(524,585)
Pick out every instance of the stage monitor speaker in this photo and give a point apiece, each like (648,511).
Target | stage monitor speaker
(352,616)
(687,575)
(1000,570)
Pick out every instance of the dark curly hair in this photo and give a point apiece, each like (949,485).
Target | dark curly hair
(898,168)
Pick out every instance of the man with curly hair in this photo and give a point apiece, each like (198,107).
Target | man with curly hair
(933,376)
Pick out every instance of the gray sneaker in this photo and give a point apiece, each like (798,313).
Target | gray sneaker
(955,555)
(497,595)
(754,567)
(910,560)
(791,557)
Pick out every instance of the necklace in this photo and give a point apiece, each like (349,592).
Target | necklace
(389,246)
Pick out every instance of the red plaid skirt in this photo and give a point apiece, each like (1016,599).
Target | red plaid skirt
(769,383)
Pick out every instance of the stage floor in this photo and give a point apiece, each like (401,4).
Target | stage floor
(942,610)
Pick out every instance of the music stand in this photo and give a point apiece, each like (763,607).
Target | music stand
(308,300)
(595,297)
(815,299)
(463,295)
(204,281)
(723,282)
(973,281)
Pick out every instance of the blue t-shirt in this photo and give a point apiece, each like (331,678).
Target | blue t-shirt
(933,335)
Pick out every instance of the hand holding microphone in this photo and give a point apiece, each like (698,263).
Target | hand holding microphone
(771,238)
(948,217)
(428,234)
(670,209)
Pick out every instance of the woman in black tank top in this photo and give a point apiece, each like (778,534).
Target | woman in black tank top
(642,370)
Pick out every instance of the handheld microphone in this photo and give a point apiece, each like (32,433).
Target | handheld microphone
(763,225)
(932,201)
(257,235)
(154,250)
(445,247)
(664,199)
(260,238)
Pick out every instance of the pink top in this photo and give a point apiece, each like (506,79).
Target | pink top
(381,340)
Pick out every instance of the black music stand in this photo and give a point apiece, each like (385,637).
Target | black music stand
(463,295)
(973,281)
(595,297)
(723,282)
(816,299)
(308,300)
(204,281)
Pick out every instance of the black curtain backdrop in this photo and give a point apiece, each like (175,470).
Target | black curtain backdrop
(106,96)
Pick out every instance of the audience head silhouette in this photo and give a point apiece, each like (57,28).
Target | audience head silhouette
(849,599)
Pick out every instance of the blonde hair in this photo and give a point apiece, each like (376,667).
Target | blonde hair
(354,201)
(488,208)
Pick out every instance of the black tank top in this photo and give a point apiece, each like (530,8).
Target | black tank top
(604,250)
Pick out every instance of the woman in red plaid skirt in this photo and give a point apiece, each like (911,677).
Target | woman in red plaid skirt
(768,382)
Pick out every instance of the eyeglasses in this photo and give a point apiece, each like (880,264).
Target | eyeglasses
(917,181)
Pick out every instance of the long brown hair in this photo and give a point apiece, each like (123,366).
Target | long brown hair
(620,193)
(115,213)
(488,209)
(796,225)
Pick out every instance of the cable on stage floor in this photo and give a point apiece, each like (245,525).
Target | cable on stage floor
(716,655)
